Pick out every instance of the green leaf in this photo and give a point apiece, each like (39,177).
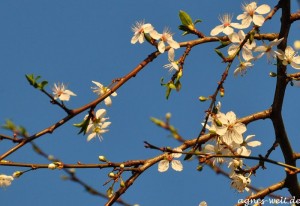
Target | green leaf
(162,82)
(9,125)
(42,85)
(179,75)
(30,78)
(185,18)
(23,131)
(197,21)
(219,53)
(83,125)
(156,121)
(33,81)
(168,92)
(171,85)
(188,156)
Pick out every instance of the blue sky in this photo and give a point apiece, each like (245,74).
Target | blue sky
(76,42)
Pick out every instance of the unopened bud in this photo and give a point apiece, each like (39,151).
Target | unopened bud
(272,74)
(203,99)
(110,192)
(168,115)
(52,166)
(122,166)
(199,168)
(122,183)
(297,44)
(17,174)
(111,174)
(222,92)
(102,159)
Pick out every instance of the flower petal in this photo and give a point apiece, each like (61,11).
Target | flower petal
(263,9)
(258,20)
(295,66)
(107,101)
(254,143)
(161,47)
(177,155)
(100,113)
(228,30)
(171,54)
(176,165)
(91,136)
(173,44)
(155,35)
(163,165)
(217,30)
(134,39)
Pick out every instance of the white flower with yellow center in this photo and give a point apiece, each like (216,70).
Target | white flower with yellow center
(289,56)
(101,90)
(226,27)
(230,130)
(140,29)
(60,92)
(98,125)
(163,165)
(252,13)
(166,36)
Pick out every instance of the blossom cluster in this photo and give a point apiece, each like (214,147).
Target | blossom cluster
(97,124)
(252,13)
(230,142)
(146,31)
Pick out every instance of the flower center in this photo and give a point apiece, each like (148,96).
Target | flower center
(169,157)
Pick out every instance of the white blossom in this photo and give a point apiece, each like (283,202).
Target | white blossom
(140,29)
(289,56)
(230,130)
(252,13)
(267,49)
(98,125)
(233,165)
(217,149)
(5,180)
(173,65)
(242,68)
(166,36)
(239,182)
(163,165)
(237,39)
(60,92)
(101,90)
(226,27)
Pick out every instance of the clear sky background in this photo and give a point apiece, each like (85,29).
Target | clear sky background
(75,42)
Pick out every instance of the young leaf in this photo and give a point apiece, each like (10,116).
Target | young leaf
(185,18)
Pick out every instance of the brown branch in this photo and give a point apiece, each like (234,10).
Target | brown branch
(73,113)
(263,193)
(218,170)
(296,155)
(281,136)
(295,16)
